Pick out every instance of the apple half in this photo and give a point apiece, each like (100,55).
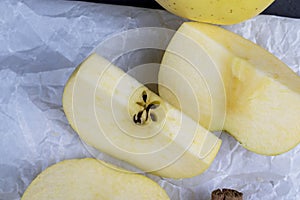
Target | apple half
(89,178)
(222,12)
(116,114)
(240,87)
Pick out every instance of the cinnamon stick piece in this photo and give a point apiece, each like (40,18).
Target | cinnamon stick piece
(226,194)
(217,195)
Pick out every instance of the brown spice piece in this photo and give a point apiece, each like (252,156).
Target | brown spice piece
(217,195)
(226,194)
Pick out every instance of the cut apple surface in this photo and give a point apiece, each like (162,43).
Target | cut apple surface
(116,114)
(260,93)
(89,179)
(222,12)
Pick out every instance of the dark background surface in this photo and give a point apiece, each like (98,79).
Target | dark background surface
(287,8)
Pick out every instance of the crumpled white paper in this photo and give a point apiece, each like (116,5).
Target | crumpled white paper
(41,44)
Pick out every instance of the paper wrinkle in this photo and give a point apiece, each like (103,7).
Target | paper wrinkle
(41,44)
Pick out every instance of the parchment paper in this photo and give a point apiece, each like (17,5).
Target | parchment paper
(41,44)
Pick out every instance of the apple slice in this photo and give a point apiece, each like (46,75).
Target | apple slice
(116,114)
(223,12)
(91,179)
(260,93)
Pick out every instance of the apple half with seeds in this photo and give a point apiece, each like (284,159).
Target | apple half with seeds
(241,88)
(88,179)
(117,115)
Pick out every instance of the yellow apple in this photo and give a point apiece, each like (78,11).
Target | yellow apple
(89,178)
(260,93)
(223,12)
(116,114)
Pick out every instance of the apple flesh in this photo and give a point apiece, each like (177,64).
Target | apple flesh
(260,93)
(91,179)
(222,12)
(116,114)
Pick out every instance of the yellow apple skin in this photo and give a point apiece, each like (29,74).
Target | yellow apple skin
(223,12)
(262,94)
(100,101)
(89,178)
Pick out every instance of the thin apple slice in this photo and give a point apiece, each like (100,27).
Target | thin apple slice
(116,114)
(89,178)
(261,94)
